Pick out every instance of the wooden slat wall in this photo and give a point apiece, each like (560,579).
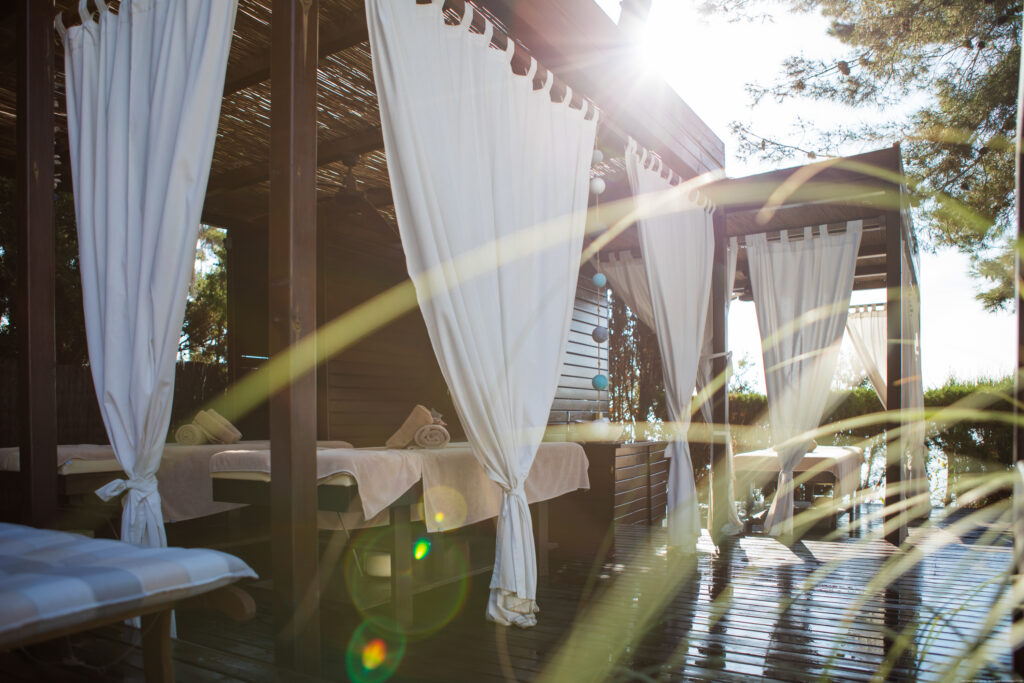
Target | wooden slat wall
(576,398)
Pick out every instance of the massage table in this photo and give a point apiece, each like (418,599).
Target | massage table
(54,584)
(184,474)
(370,486)
(836,466)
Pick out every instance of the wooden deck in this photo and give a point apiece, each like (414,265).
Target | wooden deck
(757,610)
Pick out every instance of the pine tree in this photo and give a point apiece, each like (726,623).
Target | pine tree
(958,147)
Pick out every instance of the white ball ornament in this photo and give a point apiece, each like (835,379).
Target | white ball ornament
(597,185)
(598,156)
(600,334)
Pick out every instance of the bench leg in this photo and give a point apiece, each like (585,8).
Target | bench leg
(401,564)
(156,647)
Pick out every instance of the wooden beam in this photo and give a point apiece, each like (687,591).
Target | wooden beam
(894,372)
(336,149)
(37,436)
(257,69)
(292,318)
(720,471)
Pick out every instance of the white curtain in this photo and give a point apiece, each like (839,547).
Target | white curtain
(143,97)
(866,327)
(628,277)
(801,293)
(490,180)
(733,525)
(677,240)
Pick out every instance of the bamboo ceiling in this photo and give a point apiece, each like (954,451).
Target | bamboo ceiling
(238,190)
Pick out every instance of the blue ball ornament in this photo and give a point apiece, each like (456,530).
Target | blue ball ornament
(599,279)
(600,382)
(600,334)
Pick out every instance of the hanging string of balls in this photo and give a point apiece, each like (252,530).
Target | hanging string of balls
(600,333)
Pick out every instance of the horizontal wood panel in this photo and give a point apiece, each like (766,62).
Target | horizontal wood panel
(633,495)
(629,459)
(626,471)
(635,517)
(620,511)
(628,484)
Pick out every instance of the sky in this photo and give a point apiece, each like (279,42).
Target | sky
(708,61)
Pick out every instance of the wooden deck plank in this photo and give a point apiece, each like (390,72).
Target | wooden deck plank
(740,616)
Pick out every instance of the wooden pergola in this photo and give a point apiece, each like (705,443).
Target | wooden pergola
(298,118)
(868,187)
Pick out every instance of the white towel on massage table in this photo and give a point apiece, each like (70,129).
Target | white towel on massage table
(457,491)
(184,476)
(843,462)
(382,475)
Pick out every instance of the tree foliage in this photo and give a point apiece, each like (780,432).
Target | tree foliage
(204,333)
(69,318)
(961,60)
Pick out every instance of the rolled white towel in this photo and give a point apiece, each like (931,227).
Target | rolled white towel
(227,427)
(214,430)
(406,434)
(432,436)
(189,435)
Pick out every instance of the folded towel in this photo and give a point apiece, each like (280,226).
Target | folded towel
(432,436)
(419,417)
(228,428)
(215,431)
(190,435)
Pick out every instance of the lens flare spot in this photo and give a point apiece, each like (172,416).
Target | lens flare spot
(421,549)
(445,506)
(374,654)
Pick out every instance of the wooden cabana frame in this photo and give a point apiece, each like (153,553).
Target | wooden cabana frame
(299,78)
(869,187)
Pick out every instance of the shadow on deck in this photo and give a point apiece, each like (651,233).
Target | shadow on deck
(821,609)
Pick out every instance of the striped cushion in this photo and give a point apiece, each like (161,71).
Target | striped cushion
(52,580)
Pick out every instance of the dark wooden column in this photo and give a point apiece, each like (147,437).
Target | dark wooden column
(293,317)
(37,435)
(720,473)
(1018,432)
(894,375)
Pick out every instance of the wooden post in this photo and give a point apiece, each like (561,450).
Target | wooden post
(37,436)
(400,515)
(719,515)
(894,374)
(1018,432)
(157,662)
(293,317)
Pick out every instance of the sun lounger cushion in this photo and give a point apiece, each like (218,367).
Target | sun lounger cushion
(51,580)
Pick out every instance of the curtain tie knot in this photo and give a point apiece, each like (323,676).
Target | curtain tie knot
(143,486)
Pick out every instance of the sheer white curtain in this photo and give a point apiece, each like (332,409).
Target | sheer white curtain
(867,330)
(490,180)
(677,240)
(143,96)
(801,293)
(628,277)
